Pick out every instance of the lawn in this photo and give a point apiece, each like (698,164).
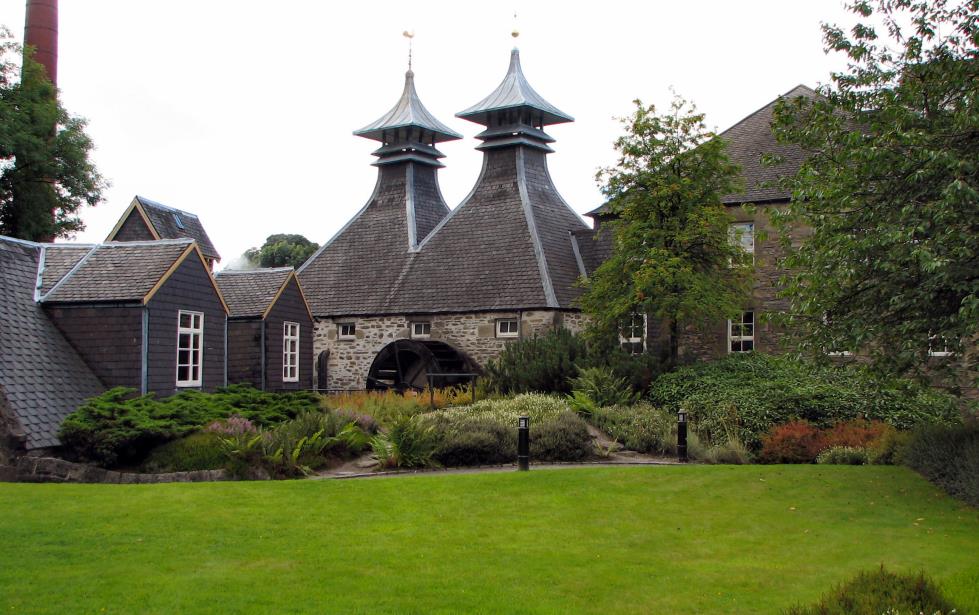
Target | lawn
(695,539)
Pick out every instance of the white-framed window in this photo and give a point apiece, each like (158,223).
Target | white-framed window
(347,331)
(741,333)
(938,346)
(632,334)
(742,234)
(421,330)
(290,352)
(190,348)
(508,327)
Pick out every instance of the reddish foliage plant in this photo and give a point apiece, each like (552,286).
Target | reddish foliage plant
(858,433)
(795,442)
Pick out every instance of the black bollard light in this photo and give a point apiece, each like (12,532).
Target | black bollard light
(681,435)
(523,443)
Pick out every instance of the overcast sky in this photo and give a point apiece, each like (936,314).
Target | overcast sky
(242,111)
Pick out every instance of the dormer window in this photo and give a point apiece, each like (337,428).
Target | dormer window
(508,327)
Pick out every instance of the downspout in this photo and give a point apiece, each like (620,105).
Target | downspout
(263,353)
(225,350)
(144,382)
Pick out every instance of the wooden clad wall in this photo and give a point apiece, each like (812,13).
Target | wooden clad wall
(133,229)
(245,352)
(289,307)
(109,339)
(189,288)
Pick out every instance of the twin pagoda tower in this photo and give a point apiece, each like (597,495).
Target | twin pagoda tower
(508,246)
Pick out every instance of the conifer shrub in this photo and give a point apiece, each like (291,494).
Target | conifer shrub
(120,427)
(756,391)
(948,456)
(881,592)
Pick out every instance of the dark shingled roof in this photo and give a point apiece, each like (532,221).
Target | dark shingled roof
(57,260)
(594,247)
(117,271)
(42,377)
(165,223)
(749,140)
(249,293)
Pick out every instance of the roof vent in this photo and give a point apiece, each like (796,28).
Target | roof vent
(178,221)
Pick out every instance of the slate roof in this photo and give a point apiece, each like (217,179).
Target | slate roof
(749,140)
(408,112)
(57,260)
(250,293)
(594,248)
(514,92)
(117,271)
(167,223)
(42,377)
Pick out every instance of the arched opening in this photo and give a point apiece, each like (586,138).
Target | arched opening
(406,364)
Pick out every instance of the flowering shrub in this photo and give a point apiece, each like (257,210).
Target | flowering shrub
(234,425)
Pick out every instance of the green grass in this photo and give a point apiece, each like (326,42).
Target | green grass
(750,539)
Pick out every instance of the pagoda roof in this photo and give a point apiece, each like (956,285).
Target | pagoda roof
(408,112)
(514,92)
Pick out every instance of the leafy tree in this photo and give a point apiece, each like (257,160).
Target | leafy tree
(890,191)
(672,256)
(282,250)
(46,175)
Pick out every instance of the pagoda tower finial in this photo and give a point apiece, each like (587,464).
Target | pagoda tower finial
(516,31)
(410,35)
(514,113)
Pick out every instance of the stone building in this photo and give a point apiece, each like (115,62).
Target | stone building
(409,287)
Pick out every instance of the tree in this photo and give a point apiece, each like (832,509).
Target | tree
(673,258)
(46,174)
(281,250)
(889,265)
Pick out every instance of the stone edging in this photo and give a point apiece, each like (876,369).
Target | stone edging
(53,470)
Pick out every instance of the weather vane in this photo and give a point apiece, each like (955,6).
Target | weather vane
(516,32)
(409,34)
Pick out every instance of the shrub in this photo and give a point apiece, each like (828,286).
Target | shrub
(638,428)
(794,442)
(199,451)
(889,447)
(505,412)
(120,427)
(881,592)
(843,456)
(409,443)
(858,433)
(544,364)
(948,457)
(602,388)
(475,441)
(564,438)
(756,391)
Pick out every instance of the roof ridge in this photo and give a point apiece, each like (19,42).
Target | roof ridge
(550,297)
(71,272)
(762,108)
(151,203)
(256,270)
(146,242)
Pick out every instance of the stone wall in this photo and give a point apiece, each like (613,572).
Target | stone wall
(474,334)
(52,470)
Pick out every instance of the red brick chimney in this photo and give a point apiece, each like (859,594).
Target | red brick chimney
(41,32)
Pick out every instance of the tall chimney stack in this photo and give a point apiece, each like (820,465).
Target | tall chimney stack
(41,32)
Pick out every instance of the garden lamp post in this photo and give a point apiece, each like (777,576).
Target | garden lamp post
(523,443)
(681,435)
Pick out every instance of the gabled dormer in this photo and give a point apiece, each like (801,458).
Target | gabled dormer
(146,220)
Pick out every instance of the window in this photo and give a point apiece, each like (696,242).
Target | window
(632,335)
(938,346)
(290,352)
(508,327)
(347,331)
(421,330)
(741,333)
(190,348)
(178,221)
(743,234)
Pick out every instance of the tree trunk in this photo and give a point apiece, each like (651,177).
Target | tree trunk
(674,341)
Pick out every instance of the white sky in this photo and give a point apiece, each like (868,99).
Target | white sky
(242,111)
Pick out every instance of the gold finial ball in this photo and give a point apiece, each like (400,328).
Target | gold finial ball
(408,34)
(515,33)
